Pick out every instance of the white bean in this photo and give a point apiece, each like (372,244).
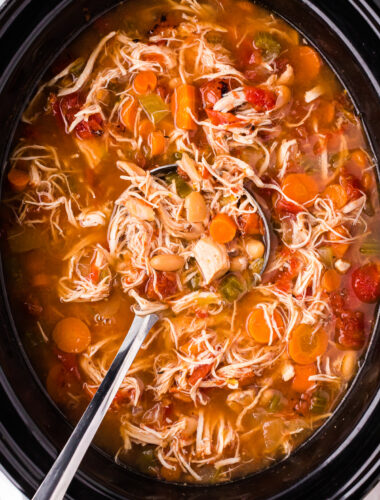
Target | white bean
(254,248)
(196,208)
(167,262)
(239,263)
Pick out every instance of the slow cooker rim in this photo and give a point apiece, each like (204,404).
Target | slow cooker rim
(61,5)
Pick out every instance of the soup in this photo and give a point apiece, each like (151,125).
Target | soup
(246,361)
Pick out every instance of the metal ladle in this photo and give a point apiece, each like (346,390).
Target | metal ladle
(58,479)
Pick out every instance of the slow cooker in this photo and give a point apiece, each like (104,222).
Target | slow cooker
(342,459)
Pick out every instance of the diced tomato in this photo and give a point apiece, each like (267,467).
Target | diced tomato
(349,329)
(212,91)
(156,415)
(68,106)
(123,396)
(201,313)
(366,283)
(90,128)
(60,383)
(219,118)
(284,278)
(65,109)
(250,224)
(161,91)
(166,285)
(284,207)
(261,99)
(302,406)
(248,55)
(200,372)
(338,301)
(281,63)
(69,361)
(247,379)
(352,186)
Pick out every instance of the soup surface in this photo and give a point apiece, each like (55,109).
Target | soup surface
(242,366)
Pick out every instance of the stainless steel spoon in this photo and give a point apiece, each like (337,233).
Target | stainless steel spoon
(59,477)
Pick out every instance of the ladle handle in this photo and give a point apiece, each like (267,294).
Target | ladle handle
(64,468)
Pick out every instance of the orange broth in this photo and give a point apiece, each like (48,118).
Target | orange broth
(242,408)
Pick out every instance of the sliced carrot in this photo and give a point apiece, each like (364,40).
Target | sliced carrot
(258,328)
(128,114)
(222,228)
(306,63)
(71,335)
(157,143)
(301,188)
(146,127)
(199,372)
(339,249)
(301,382)
(337,194)
(307,343)
(144,82)
(184,107)
(331,280)
(18,179)
(360,158)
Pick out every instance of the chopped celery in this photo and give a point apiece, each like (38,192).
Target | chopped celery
(182,187)
(274,403)
(370,247)
(327,256)
(269,46)
(194,283)
(146,459)
(256,266)
(154,107)
(231,288)
(177,156)
(319,401)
